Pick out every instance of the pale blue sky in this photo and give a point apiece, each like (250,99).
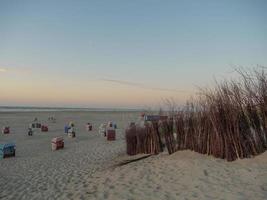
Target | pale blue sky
(119,46)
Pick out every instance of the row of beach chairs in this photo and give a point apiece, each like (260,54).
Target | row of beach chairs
(8,150)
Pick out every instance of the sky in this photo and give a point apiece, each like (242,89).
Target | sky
(124,53)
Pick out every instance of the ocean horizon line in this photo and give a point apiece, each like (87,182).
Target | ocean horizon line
(57,109)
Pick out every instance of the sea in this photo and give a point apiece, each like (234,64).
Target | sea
(60,109)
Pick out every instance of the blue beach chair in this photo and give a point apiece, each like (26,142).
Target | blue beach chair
(66,129)
(7,150)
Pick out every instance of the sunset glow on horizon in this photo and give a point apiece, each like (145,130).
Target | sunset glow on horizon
(130,54)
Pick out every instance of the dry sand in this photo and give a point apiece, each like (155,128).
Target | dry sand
(184,175)
(85,168)
(38,173)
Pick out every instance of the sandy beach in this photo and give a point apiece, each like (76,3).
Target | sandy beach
(38,173)
(175,91)
(87,167)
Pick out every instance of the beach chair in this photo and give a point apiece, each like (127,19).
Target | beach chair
(44,128)
(57,143)
(89,127)
(111,133)
(71,124)
(110,124)
(38,125)
(66,129)
(153,118)
(102,130)
(71,132)
(7,150)
(35,125)
(30,132)
(6,130)
(31,125)
(52,119)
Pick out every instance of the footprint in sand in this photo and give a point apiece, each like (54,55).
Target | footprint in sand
(205,172)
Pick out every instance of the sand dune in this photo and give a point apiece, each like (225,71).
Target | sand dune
(184,175)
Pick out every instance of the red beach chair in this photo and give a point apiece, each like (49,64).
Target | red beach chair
(44,128)
(111,134)
(6,130)
(57,143)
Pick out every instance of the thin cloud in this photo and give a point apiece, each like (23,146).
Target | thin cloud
(22,70)
(3,70)
(143,86)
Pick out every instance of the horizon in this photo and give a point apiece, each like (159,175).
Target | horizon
(124,54)
(78,108)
